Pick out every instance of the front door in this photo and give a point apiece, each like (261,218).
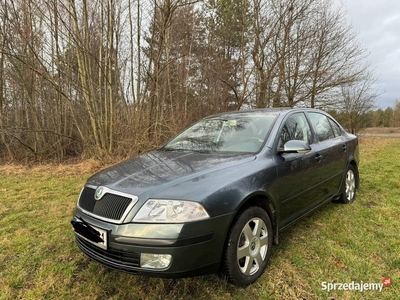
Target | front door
(300,176)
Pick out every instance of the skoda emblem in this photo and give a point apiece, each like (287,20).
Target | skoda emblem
(99,193)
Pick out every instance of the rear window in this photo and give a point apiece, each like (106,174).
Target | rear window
(336,129)
(322,126)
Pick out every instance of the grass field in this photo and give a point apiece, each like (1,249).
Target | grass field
(339,243)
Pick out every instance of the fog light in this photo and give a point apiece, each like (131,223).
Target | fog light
(155,261)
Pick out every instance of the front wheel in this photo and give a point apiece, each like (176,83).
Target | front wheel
(349,193)
(248,247)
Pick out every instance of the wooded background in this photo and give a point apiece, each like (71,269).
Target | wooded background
(102,78)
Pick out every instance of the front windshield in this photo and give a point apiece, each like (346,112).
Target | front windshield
(239,133)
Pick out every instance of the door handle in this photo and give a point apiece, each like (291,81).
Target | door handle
(318,157)
(344,147)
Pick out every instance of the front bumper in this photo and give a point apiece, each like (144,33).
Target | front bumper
(196,247)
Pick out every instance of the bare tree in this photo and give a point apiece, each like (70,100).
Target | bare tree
(107,77)
(357,100)
(3,99)
(338,57)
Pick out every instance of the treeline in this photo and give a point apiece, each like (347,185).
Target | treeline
(117,77)
(353,122)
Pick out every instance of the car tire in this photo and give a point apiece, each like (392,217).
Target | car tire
(248,247)
(349,193)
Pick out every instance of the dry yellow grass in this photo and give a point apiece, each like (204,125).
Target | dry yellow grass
(88,166)
(381,130)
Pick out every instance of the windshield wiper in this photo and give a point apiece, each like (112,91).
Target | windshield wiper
(173,149)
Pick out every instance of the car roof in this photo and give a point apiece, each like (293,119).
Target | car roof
(278,110)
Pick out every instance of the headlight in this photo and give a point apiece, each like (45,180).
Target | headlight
(170,211)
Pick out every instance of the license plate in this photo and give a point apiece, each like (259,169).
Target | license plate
(92,234)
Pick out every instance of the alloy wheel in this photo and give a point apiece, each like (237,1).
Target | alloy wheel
(252,247)
(350,185)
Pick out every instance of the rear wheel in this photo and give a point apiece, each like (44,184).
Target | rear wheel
(349,193)
(248,247)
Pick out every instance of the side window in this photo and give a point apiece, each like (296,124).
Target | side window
(335,127)
(296,128)
(322,127)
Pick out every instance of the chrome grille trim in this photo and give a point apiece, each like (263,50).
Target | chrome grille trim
(134,200)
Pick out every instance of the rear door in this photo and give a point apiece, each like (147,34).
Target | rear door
(332,149)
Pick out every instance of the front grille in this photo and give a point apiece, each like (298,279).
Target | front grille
(114,258)
(110,206)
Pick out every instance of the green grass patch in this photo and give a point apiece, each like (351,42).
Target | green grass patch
(338,243)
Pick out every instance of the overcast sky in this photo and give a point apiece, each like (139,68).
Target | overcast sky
(378,25)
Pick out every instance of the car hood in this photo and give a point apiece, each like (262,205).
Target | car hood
(148,174)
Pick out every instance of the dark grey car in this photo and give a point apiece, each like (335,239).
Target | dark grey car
(215,198)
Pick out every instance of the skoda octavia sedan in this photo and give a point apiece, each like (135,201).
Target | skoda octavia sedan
(216,197)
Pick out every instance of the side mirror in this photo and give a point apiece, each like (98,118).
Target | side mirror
(295,146)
